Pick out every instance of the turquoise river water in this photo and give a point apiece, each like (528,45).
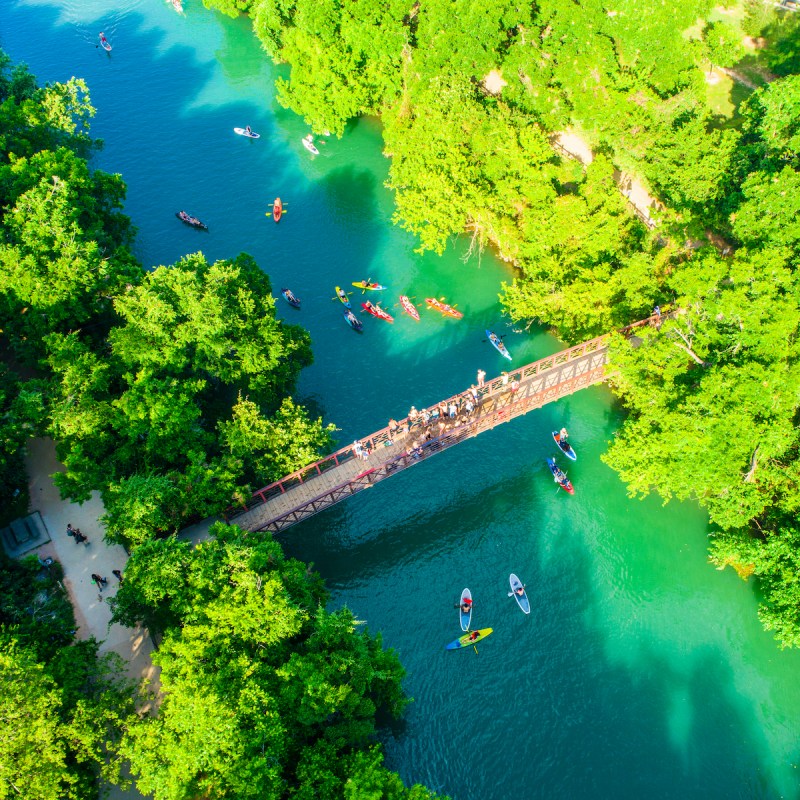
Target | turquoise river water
(641,672)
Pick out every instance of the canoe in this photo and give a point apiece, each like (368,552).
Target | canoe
(465,617)
(277,209)
(368,287)
(498,345)
(467,641)
(243,132)
(560,477)
(377,311)
(308,143)
(191,221)
(342,295)
(409,307)
(522,599)
(447,310)
(352,320)
(566,447)
(291,298)
(104,43)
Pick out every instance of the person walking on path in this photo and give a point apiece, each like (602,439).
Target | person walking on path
(70,530)
(481,378)
(101,582)
(117,574)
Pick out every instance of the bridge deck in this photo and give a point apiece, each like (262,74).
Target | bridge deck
(343,473)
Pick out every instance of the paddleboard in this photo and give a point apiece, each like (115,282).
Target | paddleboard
(465,617)
(104,43)
(309,145)
(498,345)
(467,641)
(565,447)
(522,599)
(342,295)
(243,132)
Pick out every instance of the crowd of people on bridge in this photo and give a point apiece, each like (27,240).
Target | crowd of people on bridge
(431,423)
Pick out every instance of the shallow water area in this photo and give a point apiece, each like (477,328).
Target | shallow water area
(640,671)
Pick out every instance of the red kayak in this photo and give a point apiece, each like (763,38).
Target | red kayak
(376,311)
(447,310)
(277,209)
(409,307)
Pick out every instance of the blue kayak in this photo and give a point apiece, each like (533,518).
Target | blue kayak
(565,446)
(498,345)
(352,320)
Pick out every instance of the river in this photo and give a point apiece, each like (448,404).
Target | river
(641,672)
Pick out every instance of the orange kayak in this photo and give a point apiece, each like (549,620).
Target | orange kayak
(277,209)
(447,310)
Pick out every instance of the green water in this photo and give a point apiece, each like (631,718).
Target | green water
(641,672)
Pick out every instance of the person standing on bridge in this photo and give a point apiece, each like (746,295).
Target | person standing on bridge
(481,378)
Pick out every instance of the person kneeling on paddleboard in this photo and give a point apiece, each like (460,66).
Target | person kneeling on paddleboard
(562,436)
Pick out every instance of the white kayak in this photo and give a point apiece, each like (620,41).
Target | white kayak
(250,135)
(522,599)
(309,145)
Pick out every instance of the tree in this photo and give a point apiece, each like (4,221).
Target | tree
(266,694)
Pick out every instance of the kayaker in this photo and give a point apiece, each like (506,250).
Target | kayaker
(520,590)
(473,636)
(466,605)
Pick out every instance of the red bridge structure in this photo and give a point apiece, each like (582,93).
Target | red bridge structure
(386,452)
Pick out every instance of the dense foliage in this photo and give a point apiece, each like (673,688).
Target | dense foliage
(473,98)
(265,694)
(62,707)
(169,391)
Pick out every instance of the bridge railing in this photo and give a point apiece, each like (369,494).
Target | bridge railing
(385,437)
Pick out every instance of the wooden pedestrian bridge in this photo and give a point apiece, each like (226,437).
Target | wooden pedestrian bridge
(385,452)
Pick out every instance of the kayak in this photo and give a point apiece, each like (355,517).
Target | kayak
(522,599)
(447,310)
(177,5)
(308,143)
(342,295)
(190,220)
(566,448)
(409,307)
(352,320)
(467,641)
(243,132)
(465,617)
(498,345)
(104,43)
(277,209)
(377,311)
(371,287)
(291,298)
(560,477)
